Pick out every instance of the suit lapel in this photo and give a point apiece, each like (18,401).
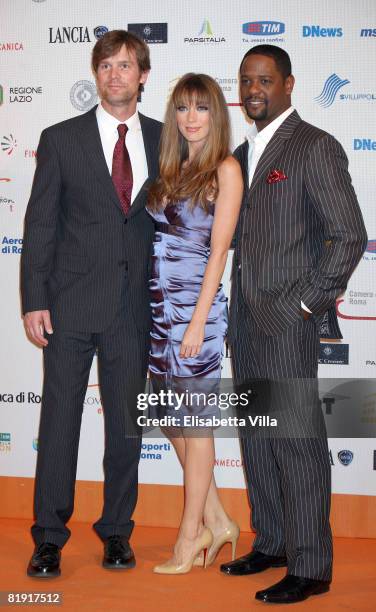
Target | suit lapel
(150,146)
(242,156)
(152,162)
(91,143)
(274,148)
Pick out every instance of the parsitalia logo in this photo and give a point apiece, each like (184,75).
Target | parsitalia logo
(205,35)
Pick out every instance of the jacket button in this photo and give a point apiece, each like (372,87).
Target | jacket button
(125,221)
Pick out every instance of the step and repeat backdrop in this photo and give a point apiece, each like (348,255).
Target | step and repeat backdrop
(45,77)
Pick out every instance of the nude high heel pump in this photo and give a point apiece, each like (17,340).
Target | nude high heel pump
(203,543)
(230,534)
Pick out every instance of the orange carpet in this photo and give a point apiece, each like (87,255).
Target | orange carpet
(86,586)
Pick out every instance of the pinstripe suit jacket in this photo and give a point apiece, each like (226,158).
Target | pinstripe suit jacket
(281,245)
(78,244)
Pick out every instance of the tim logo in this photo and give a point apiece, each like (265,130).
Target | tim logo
(331,87)
(263,28)
(345,457)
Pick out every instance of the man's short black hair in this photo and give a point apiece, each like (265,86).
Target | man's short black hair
(280,56)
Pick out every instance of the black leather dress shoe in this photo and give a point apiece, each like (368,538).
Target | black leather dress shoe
(118,554)
(292,589)
(252,563)
(45,562)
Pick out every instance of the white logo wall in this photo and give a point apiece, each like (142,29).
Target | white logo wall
(45,53)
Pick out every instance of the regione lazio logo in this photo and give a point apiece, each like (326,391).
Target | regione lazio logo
(331,87)
(83,95)
(345,457)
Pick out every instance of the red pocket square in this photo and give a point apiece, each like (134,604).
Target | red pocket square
(275,176)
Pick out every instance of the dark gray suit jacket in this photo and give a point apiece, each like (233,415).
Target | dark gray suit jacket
(299,238)
(80,252)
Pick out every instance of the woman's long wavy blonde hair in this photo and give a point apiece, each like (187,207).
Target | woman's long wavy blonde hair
(197,180)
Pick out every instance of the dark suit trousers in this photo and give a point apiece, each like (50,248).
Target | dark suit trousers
(122,364)
(288,473)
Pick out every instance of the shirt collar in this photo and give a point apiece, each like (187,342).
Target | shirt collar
(109,122)
(265,135)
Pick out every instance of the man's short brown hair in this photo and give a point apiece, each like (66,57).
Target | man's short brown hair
(112,42)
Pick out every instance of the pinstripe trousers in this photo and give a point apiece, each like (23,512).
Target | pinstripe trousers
(288,472)
(122,363)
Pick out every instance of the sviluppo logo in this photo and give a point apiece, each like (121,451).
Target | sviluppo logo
(331,87)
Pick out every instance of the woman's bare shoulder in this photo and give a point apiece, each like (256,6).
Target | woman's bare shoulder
(229,168)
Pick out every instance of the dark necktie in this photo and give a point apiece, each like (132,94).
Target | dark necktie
(122,176)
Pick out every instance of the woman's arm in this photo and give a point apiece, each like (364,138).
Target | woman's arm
(227,208)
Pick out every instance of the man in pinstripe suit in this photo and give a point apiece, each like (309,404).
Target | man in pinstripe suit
(299,237)
(84,281)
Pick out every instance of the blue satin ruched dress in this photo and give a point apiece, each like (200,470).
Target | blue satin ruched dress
(180,253)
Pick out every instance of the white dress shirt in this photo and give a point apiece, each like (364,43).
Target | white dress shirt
(107,125)
(257,142)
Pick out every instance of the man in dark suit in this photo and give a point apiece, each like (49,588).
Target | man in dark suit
(299,238)
(84,281)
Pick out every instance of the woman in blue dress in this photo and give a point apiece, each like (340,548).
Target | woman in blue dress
(195,204)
